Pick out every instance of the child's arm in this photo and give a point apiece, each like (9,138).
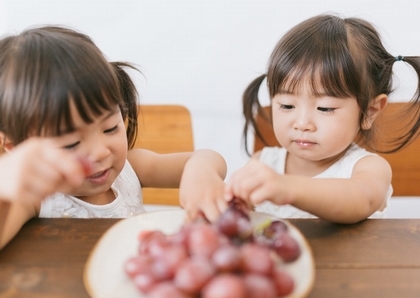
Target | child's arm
(333,199)
(199,175)
(13,217)
(28,173)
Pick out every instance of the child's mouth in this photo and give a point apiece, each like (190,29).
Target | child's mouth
(99,177)
(304,143)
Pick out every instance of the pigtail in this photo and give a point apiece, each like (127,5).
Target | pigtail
(130,95)
(250,104)
(409,116)
(412,112)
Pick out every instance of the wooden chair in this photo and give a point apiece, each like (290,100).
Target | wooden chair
(405,163)
(164,129)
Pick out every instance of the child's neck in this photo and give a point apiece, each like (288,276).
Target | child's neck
(299,166)
(100,199)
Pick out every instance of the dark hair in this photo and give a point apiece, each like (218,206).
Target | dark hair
(343,56)
(43,69)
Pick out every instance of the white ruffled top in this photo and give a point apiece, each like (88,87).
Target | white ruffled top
(128,201)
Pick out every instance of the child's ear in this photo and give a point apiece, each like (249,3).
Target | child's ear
(375,108)
(5,143)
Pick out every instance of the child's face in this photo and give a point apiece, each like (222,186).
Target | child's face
(104,143)
(314,128)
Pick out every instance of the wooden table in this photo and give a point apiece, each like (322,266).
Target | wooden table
(375,258)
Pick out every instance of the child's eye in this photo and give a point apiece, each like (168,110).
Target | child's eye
(326,110)
(71,146)
(286,107)
(111,130)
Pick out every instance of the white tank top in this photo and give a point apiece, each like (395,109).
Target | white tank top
(275,158)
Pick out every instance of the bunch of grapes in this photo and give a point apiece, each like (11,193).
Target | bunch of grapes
(227,258)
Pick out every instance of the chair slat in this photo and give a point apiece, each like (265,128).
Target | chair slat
(164,129)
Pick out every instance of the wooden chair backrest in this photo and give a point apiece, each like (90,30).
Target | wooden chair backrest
(405,163)
(164,129)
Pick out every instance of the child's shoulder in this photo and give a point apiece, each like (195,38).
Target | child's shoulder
(354,150)
(363,159)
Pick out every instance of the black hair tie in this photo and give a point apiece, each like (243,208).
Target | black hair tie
(399,58)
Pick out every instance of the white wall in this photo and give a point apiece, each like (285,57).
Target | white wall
(202,54)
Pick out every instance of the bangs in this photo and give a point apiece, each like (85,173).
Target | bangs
(92,94)
(89,103)
(69,70)
(321,82)
(319,57)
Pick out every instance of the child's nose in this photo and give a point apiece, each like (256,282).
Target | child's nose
(98,151)
(304,122)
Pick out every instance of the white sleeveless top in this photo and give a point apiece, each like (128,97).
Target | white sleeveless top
(275,158)
(128,201)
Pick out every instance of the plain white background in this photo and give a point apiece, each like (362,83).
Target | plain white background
(203,54)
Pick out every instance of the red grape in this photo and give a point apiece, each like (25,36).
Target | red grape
(225,285)
(283,282)
(286,247)
(137,264)
(166,289)
(193,273)
(235,224)
(174,254)
(161,270)
(203,240)
(256,259)
(259,286)
(275,228)
(181,237)
(152,242)
(227,258)
(144,281)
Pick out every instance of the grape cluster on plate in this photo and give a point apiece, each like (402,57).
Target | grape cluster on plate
(227,258)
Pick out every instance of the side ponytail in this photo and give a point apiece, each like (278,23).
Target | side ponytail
(250,105)
(406,120)
(129,93)
(414,107)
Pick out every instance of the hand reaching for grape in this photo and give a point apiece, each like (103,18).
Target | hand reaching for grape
(201,186)
(256,182)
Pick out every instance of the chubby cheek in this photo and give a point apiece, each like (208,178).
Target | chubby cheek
(339,136)
(282,131)
(120,149)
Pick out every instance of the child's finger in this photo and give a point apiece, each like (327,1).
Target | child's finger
(259,195)
(212,213)
(72,169)
(227,192)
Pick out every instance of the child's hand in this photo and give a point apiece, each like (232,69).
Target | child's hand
(37,168)
(196,196)
(201,188)
(256,183)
